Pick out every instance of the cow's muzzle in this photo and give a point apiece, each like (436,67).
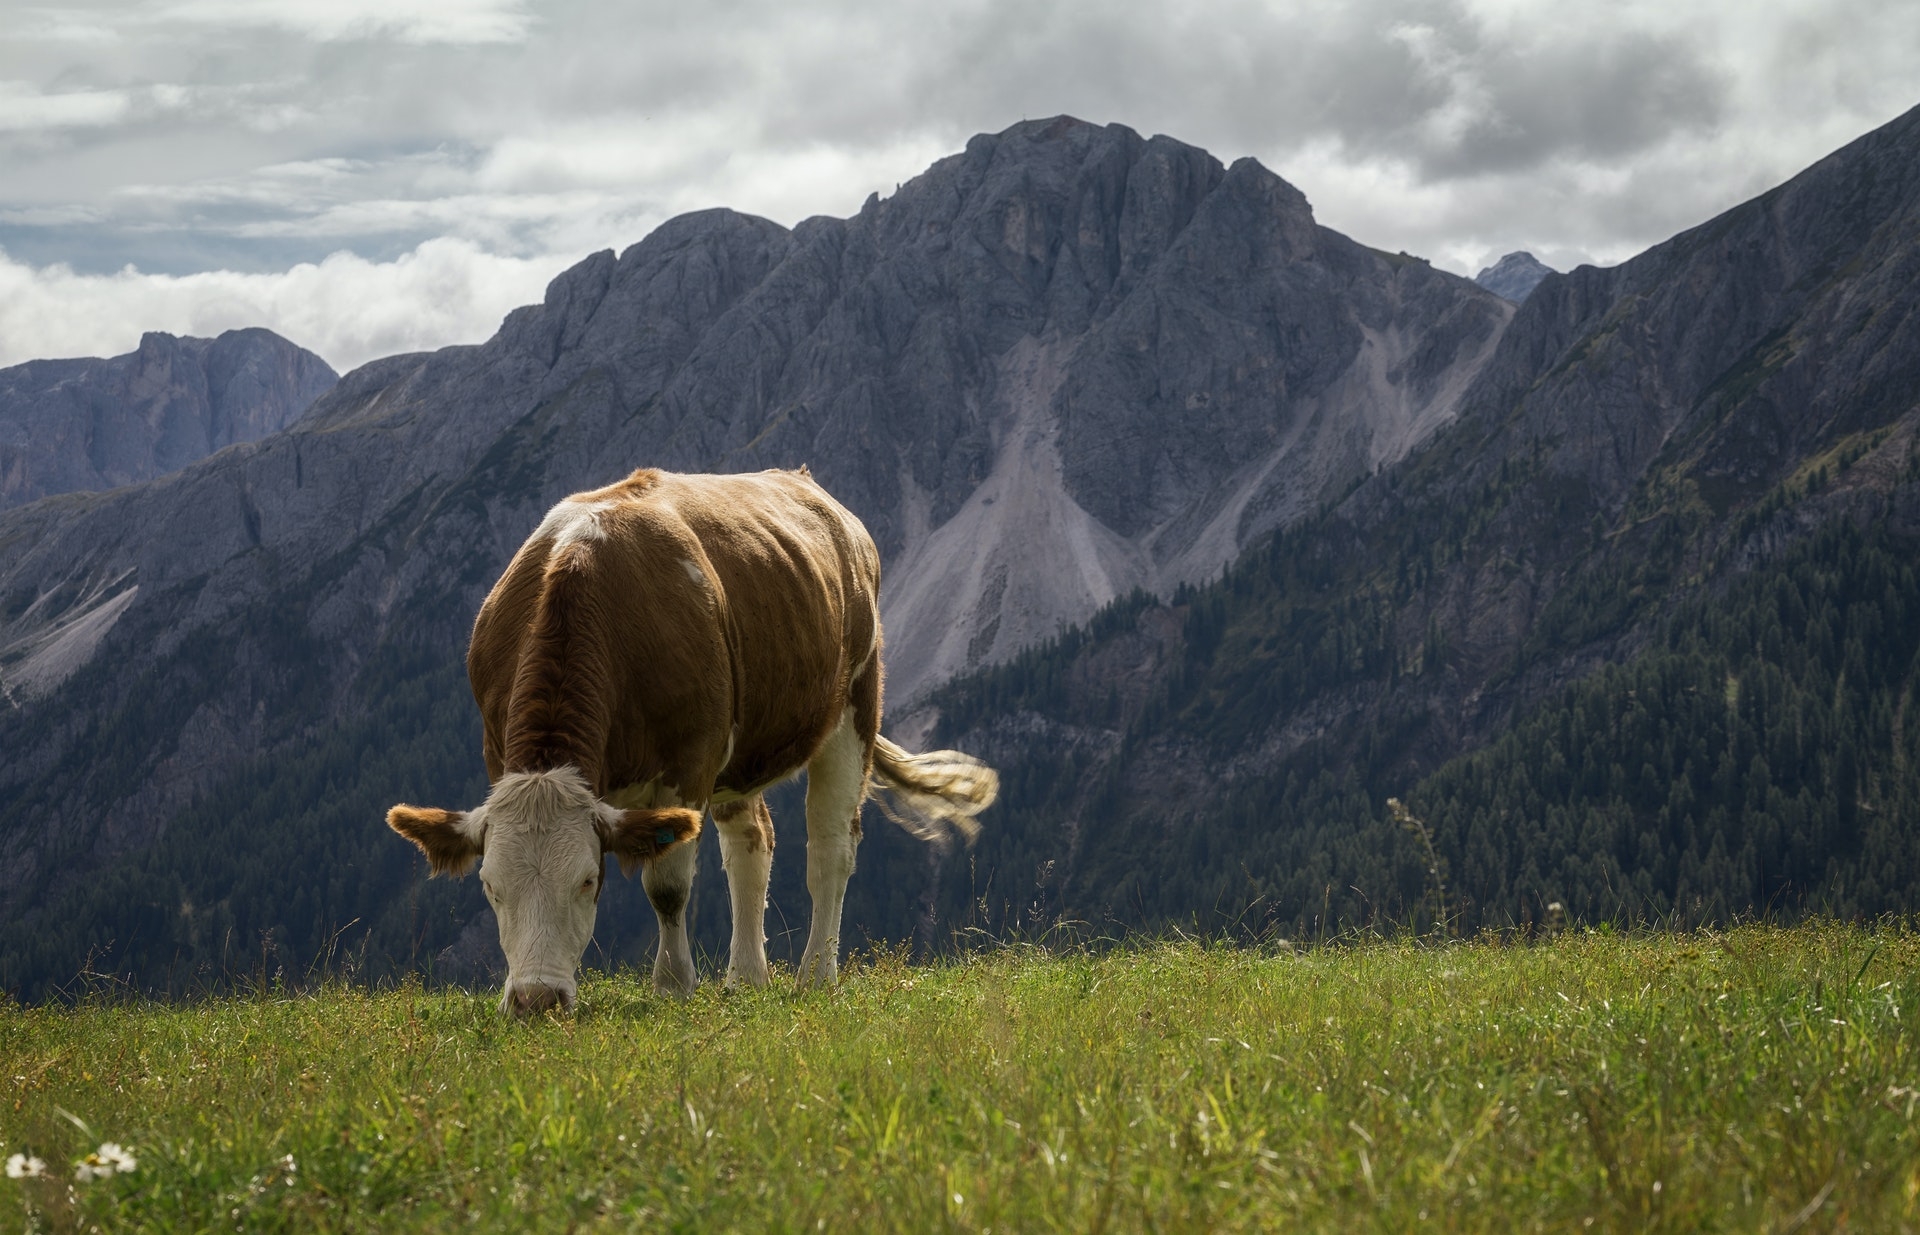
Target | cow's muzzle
(531,998)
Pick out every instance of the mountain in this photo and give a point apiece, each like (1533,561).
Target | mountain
(1514,276)
(1065,364)
(1635,635)
(1614,592)
(100,424)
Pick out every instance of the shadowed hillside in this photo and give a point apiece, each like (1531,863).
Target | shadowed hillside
(1065,363)
(99,424)
(1066,366)
(1661,570)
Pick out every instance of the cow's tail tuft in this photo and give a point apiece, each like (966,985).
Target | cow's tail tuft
(935,794)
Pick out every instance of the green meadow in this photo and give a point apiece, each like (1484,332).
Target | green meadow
(1762,1079)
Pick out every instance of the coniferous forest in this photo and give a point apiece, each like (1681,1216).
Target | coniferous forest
(1748,748)
(1742,745)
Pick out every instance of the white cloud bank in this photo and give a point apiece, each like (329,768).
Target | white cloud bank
(409,21)
(491,142)
(346,308)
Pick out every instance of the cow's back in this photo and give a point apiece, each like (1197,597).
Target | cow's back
(717,620)
(798,580)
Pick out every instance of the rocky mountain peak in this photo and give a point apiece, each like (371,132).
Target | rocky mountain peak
(1676,479)
(1514,276)
(1761,309)
(1078,212)
(89,424)
(1064,364)
(1166,354)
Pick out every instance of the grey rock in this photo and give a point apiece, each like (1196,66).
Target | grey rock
(1731,348)
(1691,379)
(67,425)
(1067,362)
(1514,276)
(1665,399)
(1063,364)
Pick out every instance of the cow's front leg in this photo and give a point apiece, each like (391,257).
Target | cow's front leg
(668,880)
(836,783)
(746,853)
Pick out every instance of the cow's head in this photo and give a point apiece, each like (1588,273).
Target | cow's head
(541,839)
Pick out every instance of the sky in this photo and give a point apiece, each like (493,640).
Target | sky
(376,176)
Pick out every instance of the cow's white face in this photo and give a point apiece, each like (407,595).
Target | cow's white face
(541,872)
(543,838)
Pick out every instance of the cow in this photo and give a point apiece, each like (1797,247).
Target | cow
(664,647)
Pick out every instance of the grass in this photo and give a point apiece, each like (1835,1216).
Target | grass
(1763,1079)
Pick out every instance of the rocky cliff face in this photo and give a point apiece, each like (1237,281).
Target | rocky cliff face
(1643,438)
(1186,362)
(1711,366)
(1065,364)
(1514,276)
(68,425)
(1061,365)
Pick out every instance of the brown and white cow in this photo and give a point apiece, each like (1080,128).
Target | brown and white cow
(664,646)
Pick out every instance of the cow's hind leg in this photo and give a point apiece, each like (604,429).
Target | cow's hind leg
(746,853)
(836,783)
(668,880)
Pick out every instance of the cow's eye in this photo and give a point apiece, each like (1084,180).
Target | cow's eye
(586,885)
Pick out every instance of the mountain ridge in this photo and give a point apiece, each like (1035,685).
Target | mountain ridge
(1537,503)
(1514,276)
(92,423)
(1197,319)
(1645,438)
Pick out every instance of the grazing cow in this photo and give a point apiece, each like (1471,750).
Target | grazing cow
(664,646)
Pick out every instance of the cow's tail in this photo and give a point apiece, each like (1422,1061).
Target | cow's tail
(932,795)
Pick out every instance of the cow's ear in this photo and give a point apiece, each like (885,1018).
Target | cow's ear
(637,837)
(451,839)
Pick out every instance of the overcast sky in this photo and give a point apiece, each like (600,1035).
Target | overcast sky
(374,176)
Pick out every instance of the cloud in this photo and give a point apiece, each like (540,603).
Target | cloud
(1442,84)
(346,308)
(407,21)
(261,136)
(24,109)
(1514,104)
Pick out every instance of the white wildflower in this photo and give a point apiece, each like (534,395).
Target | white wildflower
(109,1159)
(120,1159)
(21,1166)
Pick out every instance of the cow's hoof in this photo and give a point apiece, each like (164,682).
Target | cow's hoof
(738,979)
(816,973)
(674,980)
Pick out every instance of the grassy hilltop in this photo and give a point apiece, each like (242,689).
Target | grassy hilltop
(1762,1079)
